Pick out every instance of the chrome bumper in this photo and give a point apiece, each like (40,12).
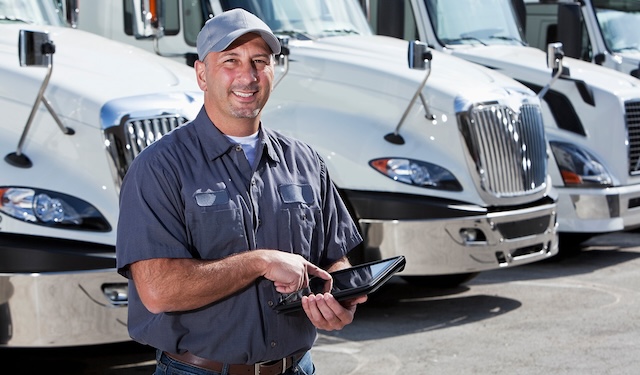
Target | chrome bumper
(63,309)
(598,210)
(447,246)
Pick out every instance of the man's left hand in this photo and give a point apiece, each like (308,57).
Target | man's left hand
(326,313)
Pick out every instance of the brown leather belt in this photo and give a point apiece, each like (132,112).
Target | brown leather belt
(263,368)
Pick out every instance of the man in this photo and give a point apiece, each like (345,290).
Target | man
(222,216)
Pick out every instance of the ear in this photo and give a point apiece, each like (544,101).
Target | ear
(200,69)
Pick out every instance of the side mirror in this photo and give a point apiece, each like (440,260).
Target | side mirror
(418,55)
(35,48)
(282,60)
(555,54)
(69,9)
(145,18)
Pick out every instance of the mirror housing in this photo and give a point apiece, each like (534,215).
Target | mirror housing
(35,48)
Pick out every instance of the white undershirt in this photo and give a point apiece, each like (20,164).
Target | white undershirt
(249,145)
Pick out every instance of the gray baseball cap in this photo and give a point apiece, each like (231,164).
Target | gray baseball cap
(220,31)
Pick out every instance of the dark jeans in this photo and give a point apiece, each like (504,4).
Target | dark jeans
(169,366)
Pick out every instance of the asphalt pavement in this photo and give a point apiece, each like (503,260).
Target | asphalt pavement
(577,314)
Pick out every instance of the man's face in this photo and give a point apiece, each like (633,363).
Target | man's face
(237,81)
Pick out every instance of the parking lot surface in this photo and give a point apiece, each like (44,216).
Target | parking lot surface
(577,314)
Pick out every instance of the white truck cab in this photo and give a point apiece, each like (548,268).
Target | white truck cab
(604,32)
(445,164)
(591,114)
(76,108)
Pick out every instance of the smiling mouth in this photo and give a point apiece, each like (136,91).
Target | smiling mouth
(244,94)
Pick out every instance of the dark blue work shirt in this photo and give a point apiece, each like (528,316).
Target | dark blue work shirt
(193,194)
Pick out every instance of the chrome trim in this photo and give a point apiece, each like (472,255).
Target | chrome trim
(131,124)
(60,309)
(632,120)
(507,150)
(436,247)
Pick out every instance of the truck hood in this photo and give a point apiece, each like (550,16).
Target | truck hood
(520,62)
(379,64)
(88,68)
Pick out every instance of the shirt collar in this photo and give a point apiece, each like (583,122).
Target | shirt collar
(217,144)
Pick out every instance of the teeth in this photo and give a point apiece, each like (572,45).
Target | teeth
(244,95)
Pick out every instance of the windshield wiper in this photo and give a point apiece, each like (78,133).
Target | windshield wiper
(462,39)
(341,31)
(297,34)
(508,38)
(15,19)
(626,49)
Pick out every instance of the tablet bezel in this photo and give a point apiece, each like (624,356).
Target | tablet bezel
(395,264)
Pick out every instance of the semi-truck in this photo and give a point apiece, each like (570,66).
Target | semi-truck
(604,32)
(424,158)
(75,108)
(591,113)
(438,159)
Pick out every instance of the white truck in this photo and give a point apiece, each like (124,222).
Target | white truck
(604,32)
(446,166)
(591,113)
(75,108)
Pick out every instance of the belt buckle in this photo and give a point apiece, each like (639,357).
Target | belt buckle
(256,367)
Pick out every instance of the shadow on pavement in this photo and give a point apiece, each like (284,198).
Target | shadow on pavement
(410,317)
(399,308)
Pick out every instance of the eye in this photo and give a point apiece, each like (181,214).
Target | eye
(261,62)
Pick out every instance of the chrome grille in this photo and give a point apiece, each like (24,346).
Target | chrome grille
(632,118)
(126,141)
(508,148)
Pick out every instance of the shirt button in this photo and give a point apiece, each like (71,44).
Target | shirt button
(270,303)
(238,148)
(273,344)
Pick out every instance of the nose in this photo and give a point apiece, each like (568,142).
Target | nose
(248,72)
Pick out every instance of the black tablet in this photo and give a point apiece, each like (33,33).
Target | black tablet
(347,283)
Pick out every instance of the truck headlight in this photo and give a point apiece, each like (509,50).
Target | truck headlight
(417,173)
(51,209)
(578,167)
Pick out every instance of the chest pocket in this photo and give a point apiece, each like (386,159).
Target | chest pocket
(298,222)
(215,225)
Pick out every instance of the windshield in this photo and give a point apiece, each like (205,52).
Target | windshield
(482,22)
(620,24)
(307,19)
(39,12)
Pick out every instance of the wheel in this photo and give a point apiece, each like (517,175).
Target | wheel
(441,281)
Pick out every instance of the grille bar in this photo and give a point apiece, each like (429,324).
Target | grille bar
(509,148)
(126,141)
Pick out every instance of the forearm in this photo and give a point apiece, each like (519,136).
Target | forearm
(341,263)
(166,285)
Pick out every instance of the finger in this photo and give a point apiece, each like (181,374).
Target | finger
(305,281)
(335,316)
(328,286)
(322,274)
(312,269)
(355,301)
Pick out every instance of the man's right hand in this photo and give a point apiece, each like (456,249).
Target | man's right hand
(290,272)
